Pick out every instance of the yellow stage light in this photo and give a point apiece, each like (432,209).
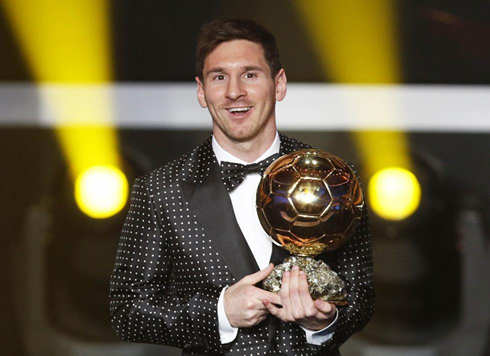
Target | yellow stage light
(67,45)
(64,41)
(101,191)
(357,43)
(394,193)
(356,40)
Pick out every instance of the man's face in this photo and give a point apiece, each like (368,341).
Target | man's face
(239,91)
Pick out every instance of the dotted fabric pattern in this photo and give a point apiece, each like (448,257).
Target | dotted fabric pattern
(169,273)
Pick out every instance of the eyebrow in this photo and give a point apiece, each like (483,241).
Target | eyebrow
(215,70)
(221,70)
(253,68)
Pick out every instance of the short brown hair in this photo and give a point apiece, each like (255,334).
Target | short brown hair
(218,31)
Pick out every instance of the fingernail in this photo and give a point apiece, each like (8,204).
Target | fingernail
(295,268)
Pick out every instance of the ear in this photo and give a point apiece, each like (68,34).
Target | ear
(281,84)
(200,94)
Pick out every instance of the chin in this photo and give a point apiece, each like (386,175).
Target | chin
(239,134)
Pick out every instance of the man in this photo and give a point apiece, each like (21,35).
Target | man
(192,250)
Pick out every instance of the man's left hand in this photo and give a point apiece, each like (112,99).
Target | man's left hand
(298,306)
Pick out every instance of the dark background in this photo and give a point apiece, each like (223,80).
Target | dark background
(420,263)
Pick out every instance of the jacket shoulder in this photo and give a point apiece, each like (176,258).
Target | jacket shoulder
(289,144)
(185,168)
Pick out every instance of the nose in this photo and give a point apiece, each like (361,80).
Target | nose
(235,89)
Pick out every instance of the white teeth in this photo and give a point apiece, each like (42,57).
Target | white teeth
(239,109)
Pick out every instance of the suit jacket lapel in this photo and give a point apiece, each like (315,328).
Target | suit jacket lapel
(212,205)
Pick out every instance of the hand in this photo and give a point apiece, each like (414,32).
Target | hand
(298,306)
(243,301)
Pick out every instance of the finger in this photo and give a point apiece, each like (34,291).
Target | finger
(273,310)
(325,307)
(296,305)
(258,307)
(272,297)
(257,294)
(285,296)
(251,299)
(257,276)
(306,300)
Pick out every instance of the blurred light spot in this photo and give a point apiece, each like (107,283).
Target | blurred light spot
(394,193)
(101,191)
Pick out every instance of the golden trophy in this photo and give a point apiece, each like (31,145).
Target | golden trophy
(310,202)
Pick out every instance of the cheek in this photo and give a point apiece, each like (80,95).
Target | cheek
(212,98)
(266,94)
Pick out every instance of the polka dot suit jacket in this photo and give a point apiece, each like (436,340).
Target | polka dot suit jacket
(181,244)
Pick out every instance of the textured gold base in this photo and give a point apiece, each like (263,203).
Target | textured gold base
(324,283)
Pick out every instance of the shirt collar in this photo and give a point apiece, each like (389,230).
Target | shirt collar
(222,155)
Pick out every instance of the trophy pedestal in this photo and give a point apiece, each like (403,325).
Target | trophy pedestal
(323,282)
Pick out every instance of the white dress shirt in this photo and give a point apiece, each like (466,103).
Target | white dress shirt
(243,201)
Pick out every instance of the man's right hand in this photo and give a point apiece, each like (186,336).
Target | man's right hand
(243,300)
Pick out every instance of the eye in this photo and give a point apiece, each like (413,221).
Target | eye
(219,77)
(250,75)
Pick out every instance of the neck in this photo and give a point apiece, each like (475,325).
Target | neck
(247,150)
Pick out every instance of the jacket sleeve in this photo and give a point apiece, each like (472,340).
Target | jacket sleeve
(145,305)
(354,263)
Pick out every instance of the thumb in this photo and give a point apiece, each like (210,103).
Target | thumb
(258,276)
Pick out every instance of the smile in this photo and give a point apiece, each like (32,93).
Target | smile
(239,110)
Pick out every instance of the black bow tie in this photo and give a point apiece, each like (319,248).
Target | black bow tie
(233,174)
